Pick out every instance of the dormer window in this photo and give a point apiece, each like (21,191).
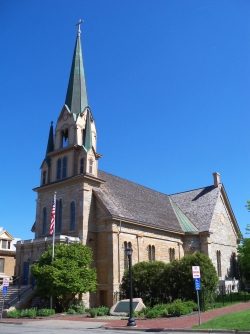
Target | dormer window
(5,244)
(65,138)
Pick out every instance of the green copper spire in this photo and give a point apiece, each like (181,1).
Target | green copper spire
(87,140)
(50,145)
(76,98)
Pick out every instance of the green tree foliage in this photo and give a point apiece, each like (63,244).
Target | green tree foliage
(157,282)
(69,274)
(244,253)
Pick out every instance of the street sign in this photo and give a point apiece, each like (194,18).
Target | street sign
(6,281)
(5,290)
(197,282)
(196,271)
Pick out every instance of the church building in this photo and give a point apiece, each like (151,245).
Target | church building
(109,213)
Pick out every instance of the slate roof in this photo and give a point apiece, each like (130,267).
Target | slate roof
(198,205)
(126,199)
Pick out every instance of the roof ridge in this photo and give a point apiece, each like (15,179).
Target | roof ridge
(187,191)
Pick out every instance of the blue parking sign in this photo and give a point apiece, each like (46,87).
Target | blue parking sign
(197,282)
(5,290)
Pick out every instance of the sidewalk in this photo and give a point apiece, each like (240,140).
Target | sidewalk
(182,323)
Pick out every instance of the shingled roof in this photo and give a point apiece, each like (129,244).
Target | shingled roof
(131,201)
(198,205)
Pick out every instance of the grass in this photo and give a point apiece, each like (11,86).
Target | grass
(235,321)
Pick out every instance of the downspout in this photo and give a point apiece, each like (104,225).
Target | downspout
(119,269)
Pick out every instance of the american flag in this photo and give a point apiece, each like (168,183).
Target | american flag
(53,216)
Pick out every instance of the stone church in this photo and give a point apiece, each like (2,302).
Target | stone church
(108,213)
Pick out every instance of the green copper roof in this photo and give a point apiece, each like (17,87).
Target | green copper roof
(76,98)
(185,223)
(87,140)
(50,145)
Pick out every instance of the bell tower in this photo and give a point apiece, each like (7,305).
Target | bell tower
(72,150)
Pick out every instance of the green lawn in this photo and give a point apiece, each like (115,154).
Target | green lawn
(234,321)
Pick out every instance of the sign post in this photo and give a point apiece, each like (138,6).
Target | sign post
(197,282)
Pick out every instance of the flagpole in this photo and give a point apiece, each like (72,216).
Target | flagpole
(53,225)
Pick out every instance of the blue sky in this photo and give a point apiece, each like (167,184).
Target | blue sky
(168,85)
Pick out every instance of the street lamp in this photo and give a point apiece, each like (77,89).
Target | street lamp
(131,320)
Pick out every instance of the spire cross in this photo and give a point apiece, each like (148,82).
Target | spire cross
(78,24)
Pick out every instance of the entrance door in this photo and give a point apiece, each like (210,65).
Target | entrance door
(103,297)
(26,269)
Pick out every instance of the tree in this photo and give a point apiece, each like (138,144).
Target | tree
(244,253)
(69,274)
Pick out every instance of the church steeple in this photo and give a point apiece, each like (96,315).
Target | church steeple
(50,145)
(76,98)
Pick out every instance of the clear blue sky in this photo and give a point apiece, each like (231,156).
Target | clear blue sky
(168,84)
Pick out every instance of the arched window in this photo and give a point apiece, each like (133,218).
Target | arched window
(72,216)
(64,172)
(218,255)
(65,138)
(44,220)
(90,166)
(171,254)
(126,245)
(58,216)
(151,253)
(44,177)
(81,165)
(59,169)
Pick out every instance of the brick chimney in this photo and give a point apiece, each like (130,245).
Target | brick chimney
(216,179)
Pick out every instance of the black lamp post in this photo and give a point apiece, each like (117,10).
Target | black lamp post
(131,320)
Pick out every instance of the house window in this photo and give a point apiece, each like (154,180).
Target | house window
(151,253)
(44,176)
(1,265)
(126,245)
(58,216)
(61,168)
(171,254)
(218,254)
(81,165)
(44,220)
(72,216)
(90,166)
(5,244)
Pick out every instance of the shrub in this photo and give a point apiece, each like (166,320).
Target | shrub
(80,311)
(178,308)
(31,313)
(45,312)
(136,314)
(77,305)
(13,314)
(71,311)
(102,310)
(162,308)
(93,312)
(24,313)
(153,313)
(192,305)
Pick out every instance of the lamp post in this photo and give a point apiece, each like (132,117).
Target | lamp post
(131,320)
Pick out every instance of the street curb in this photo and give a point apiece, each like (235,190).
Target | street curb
(179,330)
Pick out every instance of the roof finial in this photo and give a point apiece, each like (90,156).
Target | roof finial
(78,24)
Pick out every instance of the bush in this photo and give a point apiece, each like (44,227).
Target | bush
(178,308)
(191,305)
(102,310)
(162,308)
(71,311)
(77,305)
(13,314)
(153,313)
(45,312)
(80,311)
(93,312)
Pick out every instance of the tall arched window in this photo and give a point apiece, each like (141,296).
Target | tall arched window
(44,177)
(151,253)
(90,166)
(81,165)
(171,254)
(64,171)
(59,169)
(58,216)
(44,220)
(72,216)
(218,255)
(65,138)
